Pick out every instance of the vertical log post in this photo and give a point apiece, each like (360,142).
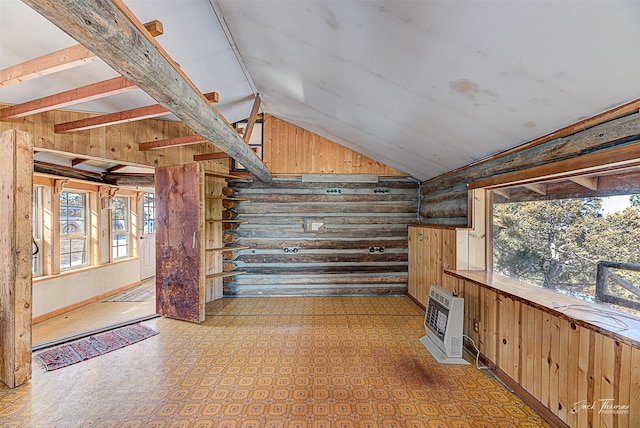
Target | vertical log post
(16,187)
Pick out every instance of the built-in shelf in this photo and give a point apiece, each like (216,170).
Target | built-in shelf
(227,198)
(224,274)
(227,249)
(223,175)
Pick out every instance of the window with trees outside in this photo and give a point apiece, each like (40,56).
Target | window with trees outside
(73,230)
(120,227)
(558,243)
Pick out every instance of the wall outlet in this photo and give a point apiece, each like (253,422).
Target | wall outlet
(476,326)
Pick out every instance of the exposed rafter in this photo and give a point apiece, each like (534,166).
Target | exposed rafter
(590,183)
(540,189)
(171,142)
(505,193)
(94,91)
(109,29)
(210,156)
(252,119)
(60,60)
(140,113)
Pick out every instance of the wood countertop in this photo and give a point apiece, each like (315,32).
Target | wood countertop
(614,323)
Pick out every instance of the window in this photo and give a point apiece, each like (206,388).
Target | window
(255,142)
(120,227)
(36,265)
(558,243)
(73,230)
(149,209)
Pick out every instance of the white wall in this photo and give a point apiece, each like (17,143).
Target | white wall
(65,290)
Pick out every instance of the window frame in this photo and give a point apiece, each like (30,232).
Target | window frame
(125,231)
(76,235)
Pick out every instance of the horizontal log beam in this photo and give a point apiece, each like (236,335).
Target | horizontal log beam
(140,113)
(119,39)
(91,92)
(63,59)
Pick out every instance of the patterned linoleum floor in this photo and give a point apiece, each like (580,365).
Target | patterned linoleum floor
(272,362)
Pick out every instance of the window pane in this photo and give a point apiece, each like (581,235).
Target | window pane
(73,218)
(120,227)
(149,206)
(73,252)
(72,213)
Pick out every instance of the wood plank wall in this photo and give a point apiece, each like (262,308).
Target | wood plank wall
(343,257)
(444,198)
(562,364)
(116,142)
(289,149)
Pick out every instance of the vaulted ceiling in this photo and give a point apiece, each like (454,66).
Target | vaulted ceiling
(423,86)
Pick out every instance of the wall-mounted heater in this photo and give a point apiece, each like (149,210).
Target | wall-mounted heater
(443,324)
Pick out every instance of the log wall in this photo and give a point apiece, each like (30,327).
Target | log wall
(360,246)
(444,198)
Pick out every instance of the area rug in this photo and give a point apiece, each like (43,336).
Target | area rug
(139,293)
(75,352)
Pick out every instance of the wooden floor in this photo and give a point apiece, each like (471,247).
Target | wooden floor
(272,362)
(91,317)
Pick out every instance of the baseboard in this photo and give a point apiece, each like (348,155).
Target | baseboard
(522,393)
(49,315)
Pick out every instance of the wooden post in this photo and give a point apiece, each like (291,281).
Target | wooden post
(16,187)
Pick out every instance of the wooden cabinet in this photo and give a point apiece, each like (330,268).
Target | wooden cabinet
(189,268)
(431,250)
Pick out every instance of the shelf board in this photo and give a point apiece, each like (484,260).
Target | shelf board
(223,274)
(226,198)
(227,221)
(223,175)
(219,249)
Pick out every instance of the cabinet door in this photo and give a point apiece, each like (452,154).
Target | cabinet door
(179,274)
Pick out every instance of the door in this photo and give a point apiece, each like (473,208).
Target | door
(148,237)
(180,291)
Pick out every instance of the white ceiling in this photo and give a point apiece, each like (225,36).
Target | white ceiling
(423,86)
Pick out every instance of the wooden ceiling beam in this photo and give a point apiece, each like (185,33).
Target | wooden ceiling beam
(94,91)
(171,142)
(60,60)
(111,31)
(132,115)
(252,119)
(211,156)
(78,161)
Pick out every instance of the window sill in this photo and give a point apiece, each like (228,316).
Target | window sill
(80,270)
(552,302)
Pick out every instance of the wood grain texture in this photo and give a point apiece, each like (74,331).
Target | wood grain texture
(289,149)
(597,139)
(179,270)
(16,184)
(120,41)
(348,254)
(569,366)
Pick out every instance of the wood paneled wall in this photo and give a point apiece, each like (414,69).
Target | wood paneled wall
(569,367)
(342,257)
(116,142)
(444,198)
(291,150)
